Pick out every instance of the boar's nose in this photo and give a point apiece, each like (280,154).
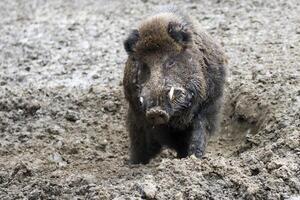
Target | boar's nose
(157,116)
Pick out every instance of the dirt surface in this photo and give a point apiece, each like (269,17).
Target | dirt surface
(62,108)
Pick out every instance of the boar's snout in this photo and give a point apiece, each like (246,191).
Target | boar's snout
(157,116)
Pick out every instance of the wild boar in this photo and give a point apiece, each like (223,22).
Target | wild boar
(173,81)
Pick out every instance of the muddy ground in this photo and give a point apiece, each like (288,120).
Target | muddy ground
(62,109)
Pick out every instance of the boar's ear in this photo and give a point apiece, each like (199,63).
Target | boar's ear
(179,32)
(131,41)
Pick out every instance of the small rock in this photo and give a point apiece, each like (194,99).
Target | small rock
(72,116)
(95,76)
(73,151)
(56,157)
(148,188)
(20,78)
(102,145)
(82,180)
(110,106)
(36,194)
(3,83)
(178,196)
(193,157)
(33,107)
(59,144)
(193,7)
(55,130)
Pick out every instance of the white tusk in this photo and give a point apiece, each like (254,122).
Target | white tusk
(141,100)
(171,93)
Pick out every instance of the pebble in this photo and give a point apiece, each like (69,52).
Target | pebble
(57,158)
(148,188)
(178,196)
(72,116)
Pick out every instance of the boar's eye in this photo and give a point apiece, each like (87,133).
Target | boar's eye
(170,64)
(143,73)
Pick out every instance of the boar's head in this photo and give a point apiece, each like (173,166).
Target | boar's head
(164,75)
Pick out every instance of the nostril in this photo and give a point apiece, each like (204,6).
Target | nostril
(162,116)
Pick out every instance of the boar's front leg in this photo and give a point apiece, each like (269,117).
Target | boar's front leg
(198,141)
(138,144)
(142,147)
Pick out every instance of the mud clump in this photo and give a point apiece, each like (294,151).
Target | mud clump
(255,155)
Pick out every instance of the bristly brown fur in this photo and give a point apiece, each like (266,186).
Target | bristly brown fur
(154,36)
(169,50)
